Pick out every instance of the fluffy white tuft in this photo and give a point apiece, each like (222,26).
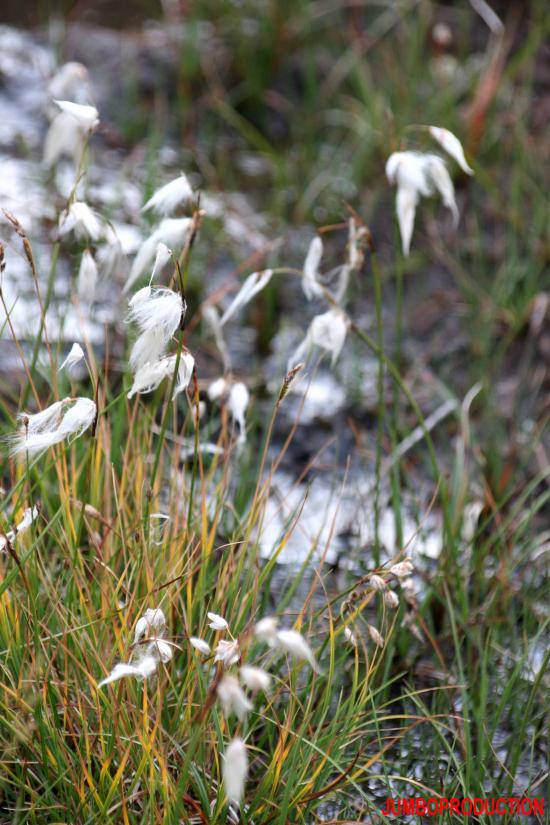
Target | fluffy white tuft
(166,199)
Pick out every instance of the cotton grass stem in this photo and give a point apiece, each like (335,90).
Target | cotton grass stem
(377,276)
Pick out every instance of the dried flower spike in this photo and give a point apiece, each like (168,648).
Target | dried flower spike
(391,599)
(290,377)
(376,637)
(402,569)
(377,583)
(349,636)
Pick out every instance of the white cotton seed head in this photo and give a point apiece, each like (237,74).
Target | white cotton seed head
(227,652)
(161,309)
(78,418)
(80,220)
(470,520)
(354,250)
(148,377)
(111,259)
(160,649)
(30,514)
(266,630)
(143,668)
(185,372)
(294,643)
(232,697)
(40,422)
(166,199)
(63,139)
(328,331)
(451,144)
(172,231)
(152,623)
(75,356)
(417,174)
(237,404)
(253,284)
(141,295)
(408,170)
(217,622)
(87,277)
(254,678)
(235,770)
(310,284)
(28,517)
(217,389)
(71,81)
(86,116)
(70,417)
(148,348)
(34,445)
(200,645)
(162,257)
(441,180)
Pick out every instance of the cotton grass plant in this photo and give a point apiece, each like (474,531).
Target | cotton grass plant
(319,670)
(218,706)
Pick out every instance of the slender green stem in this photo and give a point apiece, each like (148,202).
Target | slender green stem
(377,276)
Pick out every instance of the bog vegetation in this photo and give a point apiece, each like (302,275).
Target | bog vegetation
(160,659)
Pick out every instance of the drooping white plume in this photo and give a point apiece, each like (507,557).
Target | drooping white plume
(235,770)
(328,332)
(173,194)
(416,174)
(172,232)
(451,144)
(310,284)
(253,284)
(81,220)
(61,421)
